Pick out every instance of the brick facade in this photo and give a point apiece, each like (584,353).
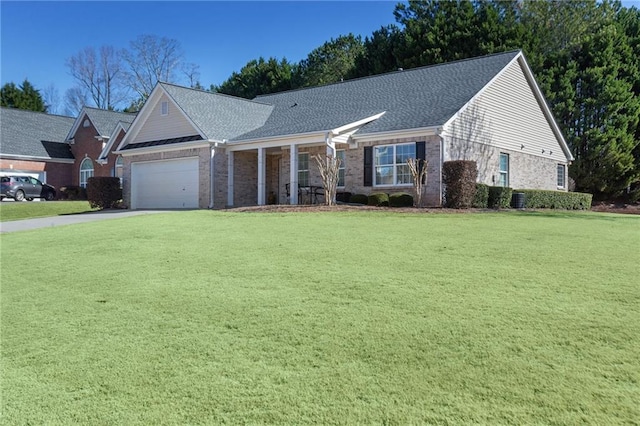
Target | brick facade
(86,145)
(526,171)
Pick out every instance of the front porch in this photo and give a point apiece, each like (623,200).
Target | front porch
(265,175)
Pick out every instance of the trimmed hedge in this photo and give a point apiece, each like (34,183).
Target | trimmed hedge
(103,192)
(73,193)
(358,199)
(379,199)
(343,197)
(400,199)
(481,199)
(544,199)
(500,197)
(459,178)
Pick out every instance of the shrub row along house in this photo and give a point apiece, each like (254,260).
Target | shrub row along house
(188,148)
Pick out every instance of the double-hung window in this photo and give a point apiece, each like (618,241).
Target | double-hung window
(503,178)
(561,176)
(340,155)
(303,169)
(86,171)
(390,164)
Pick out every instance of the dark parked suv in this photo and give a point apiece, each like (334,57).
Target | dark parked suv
(25,188)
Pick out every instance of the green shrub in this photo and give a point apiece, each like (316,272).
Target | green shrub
(481,199)
(401,199)
(343,197)
(73,193)
(544,199)
(358,199)
(499,197)
(379,199)
(103,192)
(460,183)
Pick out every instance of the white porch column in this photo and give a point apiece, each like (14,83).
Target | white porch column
(212,178)
(331,146)
(230,179)
(293,174)
(262,187)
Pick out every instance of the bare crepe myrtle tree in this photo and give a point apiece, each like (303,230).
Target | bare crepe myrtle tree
(329,167)
(419,175)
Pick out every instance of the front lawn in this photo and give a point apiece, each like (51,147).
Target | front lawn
(31,210)
(210,317)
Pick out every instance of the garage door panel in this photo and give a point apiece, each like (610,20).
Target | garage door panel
(165,184)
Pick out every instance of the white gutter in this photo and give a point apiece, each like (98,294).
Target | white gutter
(396,134)
(32,158)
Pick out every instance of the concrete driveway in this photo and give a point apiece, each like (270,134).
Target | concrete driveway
(46,222)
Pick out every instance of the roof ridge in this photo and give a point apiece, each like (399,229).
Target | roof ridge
(213,93)
(401,70)
(37,112)
(108,110)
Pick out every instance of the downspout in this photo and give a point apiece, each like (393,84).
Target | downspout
(441,134)
(211,174)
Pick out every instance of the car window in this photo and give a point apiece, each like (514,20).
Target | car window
(34,181)
(23,179)
(6,179)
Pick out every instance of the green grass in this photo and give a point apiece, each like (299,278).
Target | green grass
(26,210)
(334,318)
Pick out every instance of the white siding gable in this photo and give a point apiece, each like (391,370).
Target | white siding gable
(159,127)
(508,116)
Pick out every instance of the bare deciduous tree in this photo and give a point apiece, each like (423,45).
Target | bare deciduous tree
(418,170)
(151,59)
(329,167)
(51,98)
(99,75)
(74,100)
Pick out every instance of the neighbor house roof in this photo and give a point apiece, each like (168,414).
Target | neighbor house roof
(103,120)
(415,98)
(34,134)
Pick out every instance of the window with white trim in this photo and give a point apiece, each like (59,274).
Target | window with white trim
(86,171)
(118,169)
(341,155)
(503,178)
(303,169)
(164,108)
(390,164)
(561,179)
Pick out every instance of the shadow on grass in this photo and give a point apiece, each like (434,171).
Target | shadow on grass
(572,214)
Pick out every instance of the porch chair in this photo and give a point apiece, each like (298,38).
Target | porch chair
(286,187)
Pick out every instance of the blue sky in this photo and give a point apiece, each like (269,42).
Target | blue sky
(220,36)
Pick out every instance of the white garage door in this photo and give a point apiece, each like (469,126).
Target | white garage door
(170,184)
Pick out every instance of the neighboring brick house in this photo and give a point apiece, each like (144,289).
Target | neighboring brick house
(33,143)
(62,151)
(92,135)
(194,149)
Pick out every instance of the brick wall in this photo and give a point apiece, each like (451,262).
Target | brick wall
(354,171)
(526,171)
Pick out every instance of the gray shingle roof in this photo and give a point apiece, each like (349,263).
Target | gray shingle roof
(416,98)
(34,134)
(219,116)
(105,121)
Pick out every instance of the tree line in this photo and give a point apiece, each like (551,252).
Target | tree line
(584,54)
